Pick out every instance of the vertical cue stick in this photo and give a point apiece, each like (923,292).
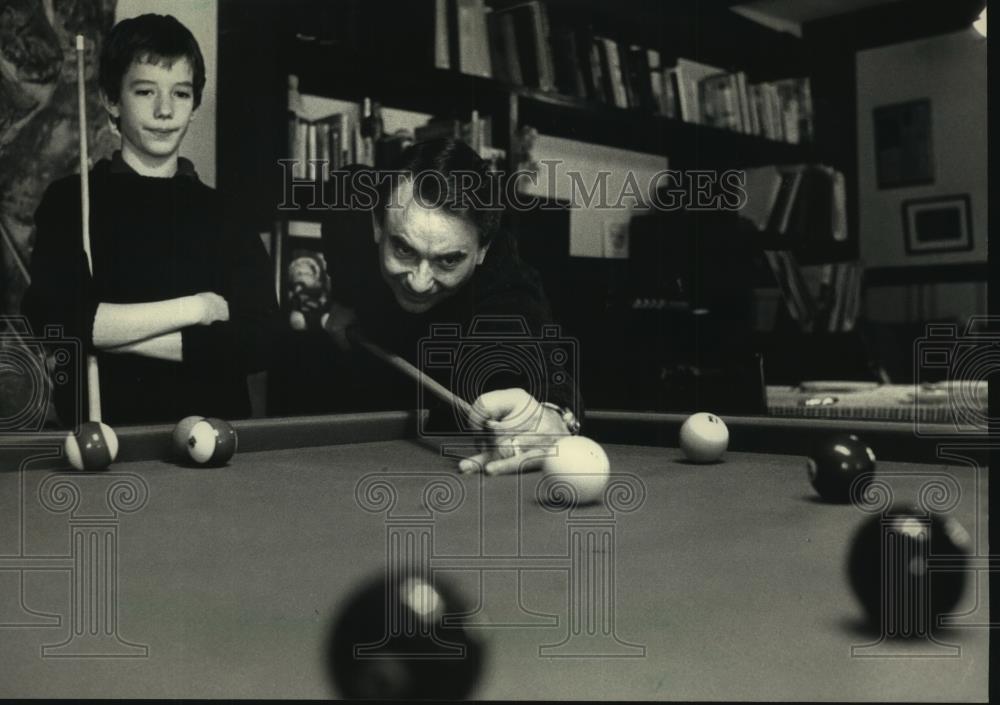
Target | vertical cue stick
(395,361)
(93,381)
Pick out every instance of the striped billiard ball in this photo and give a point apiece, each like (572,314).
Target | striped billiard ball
(94,446)
(204,441)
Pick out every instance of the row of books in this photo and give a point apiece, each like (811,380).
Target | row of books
(341,139)
(516,44)
(832,304)
(477,132)
(778,110)
(802,202)
(333,139)
(804,205)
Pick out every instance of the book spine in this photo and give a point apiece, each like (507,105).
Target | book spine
(753,100)
(654,74)
(625,61)
(569,76)
(301,153)
(743,98)
(442,47)
(790,113)
(598,82)
(543,47)
(772,111)
(498,54)
(336,146)
(708,101)
(322,150)
(473,42)
(806,117)
(734,119)
(688,95)
(614,73)
(639,72)
(670,92)
(577,62)
(509,29)
(793,195)
(311,152)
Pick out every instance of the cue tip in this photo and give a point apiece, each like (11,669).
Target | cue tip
(79,42)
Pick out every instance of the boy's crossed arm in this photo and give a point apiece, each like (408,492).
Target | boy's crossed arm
(154,329)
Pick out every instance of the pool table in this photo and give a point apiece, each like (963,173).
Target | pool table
(689,582)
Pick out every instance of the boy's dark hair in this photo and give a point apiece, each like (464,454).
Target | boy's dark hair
(148,38)
(446,173)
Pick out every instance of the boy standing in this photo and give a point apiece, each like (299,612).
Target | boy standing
(177,311)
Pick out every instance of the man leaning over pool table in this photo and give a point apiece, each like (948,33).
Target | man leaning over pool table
(430,251)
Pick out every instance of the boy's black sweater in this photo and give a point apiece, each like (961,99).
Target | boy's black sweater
(152,239)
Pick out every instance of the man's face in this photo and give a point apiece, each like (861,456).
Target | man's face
(425,254)
(154,110)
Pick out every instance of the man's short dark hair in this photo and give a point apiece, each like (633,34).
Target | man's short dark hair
(447,173)
(154,39)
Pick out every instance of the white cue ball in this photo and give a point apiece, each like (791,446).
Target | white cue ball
(582,464)
(297,320)
(704,438)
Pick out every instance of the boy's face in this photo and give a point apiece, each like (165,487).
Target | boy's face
(425,254)
(155,109)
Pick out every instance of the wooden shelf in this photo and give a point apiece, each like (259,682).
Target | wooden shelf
(684,143)
(438,92)
(324,72)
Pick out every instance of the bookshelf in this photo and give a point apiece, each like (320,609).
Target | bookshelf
(339,49)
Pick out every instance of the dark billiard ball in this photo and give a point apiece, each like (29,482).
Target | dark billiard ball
(204,441)
(396,638)
(907,568)
(837,463)
(93,446)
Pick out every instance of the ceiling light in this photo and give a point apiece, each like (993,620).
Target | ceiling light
(980,23)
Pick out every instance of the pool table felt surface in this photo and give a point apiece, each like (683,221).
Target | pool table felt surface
(730,576)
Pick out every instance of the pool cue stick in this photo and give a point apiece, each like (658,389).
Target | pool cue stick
(93,381)
(19,259)
(401,365)
(432,385)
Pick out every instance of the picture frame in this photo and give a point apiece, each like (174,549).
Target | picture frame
(904,154)
(937,224)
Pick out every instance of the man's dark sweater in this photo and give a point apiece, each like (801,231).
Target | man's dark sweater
(152,239)
(507,348)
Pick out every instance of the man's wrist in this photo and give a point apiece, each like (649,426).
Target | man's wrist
(569,419)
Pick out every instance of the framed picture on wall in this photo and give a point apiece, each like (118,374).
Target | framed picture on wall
(938,224)
(904,151)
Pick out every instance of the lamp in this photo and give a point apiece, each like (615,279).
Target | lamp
(980,23)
